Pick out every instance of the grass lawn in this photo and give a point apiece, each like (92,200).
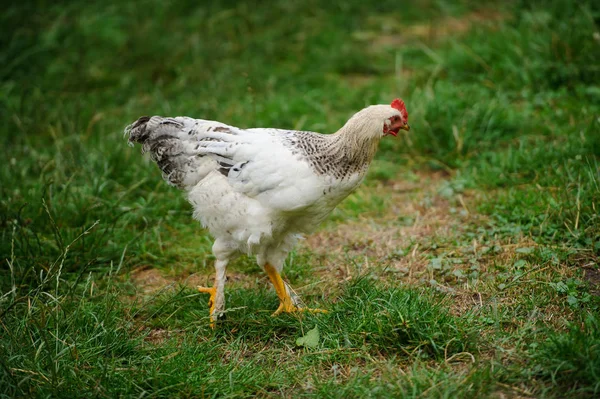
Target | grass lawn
(466,265)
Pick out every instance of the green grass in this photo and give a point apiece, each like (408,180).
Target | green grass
(571,358)
(466,265)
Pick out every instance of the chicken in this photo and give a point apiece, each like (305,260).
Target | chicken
(259,190)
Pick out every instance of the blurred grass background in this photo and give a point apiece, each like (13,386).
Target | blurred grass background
(504,102)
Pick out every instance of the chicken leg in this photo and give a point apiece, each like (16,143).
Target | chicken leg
(216,302)
(287,303)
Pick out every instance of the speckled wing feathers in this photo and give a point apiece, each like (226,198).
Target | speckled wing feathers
(175,143)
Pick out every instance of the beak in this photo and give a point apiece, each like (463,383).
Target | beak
(405,127)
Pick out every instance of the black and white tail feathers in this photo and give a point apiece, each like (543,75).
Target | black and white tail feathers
(172,144)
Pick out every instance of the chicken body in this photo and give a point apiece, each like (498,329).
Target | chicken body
(259,190)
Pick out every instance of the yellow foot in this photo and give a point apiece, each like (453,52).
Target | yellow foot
(286,303)
(211,302)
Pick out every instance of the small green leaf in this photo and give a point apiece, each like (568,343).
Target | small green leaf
(571,300)
(525,250)
(520,263)
(560,287)
(310,339)
(436,263)
(458,273)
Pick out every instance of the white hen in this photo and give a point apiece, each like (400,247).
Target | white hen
(258,190)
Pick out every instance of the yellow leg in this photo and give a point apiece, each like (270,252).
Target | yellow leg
(216,302)
(211,302)
(286,304)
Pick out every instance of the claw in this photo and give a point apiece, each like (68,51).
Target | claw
(286,306)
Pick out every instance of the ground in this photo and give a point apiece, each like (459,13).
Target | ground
(466,265)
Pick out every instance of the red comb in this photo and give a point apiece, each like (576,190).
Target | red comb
(399,105)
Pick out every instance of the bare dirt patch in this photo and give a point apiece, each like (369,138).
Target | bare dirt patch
(149,280)
(395,241)
(592,276)
(429,32)
(157,336)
